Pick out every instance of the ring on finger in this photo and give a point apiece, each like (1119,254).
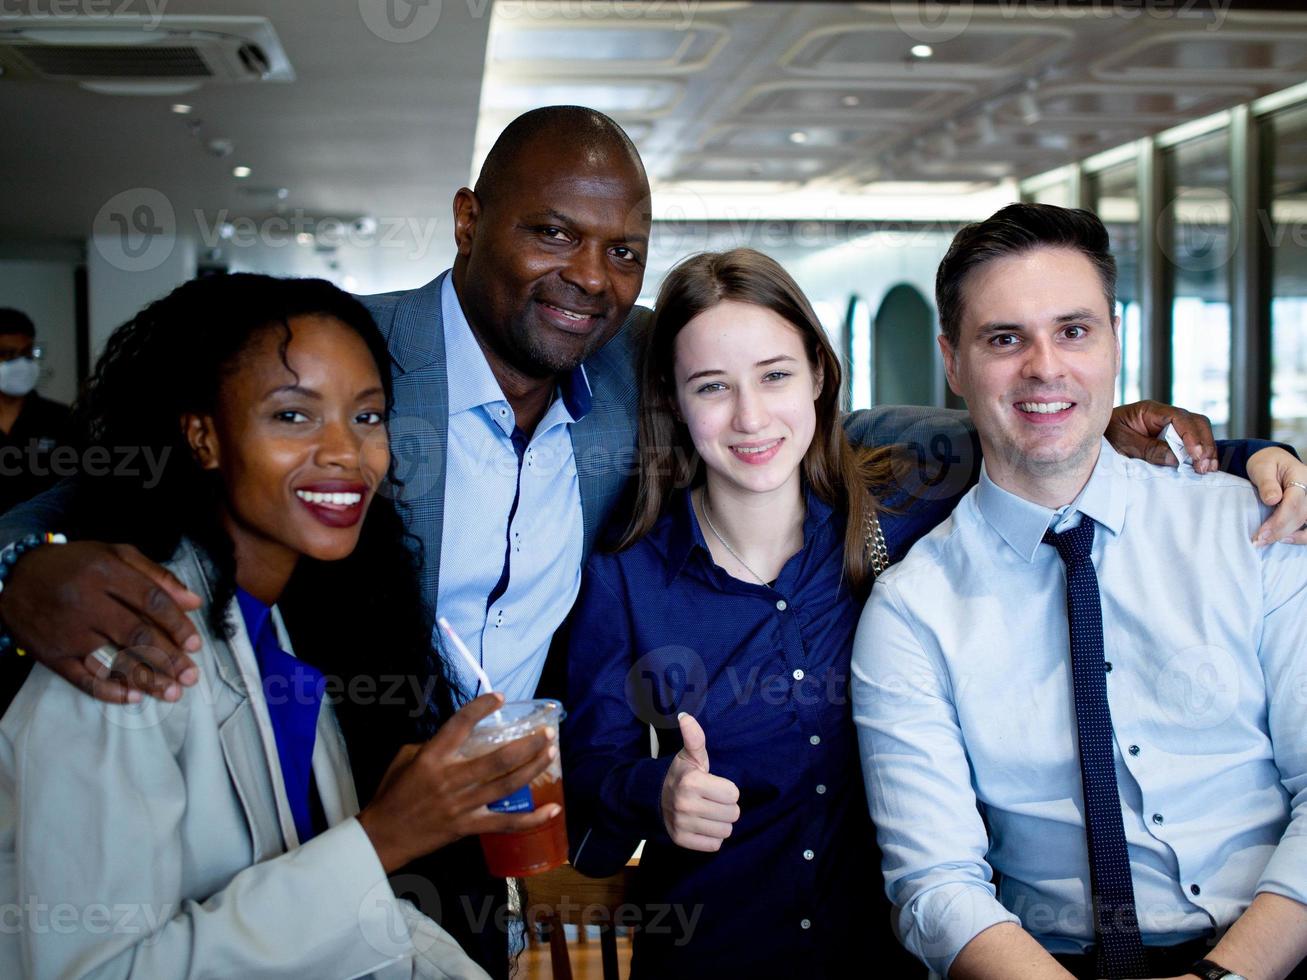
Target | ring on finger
(1295,483)
(105,655)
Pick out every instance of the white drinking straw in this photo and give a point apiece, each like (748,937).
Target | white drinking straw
(466,654)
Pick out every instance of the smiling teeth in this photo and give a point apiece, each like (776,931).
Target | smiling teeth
(336,499)
(1043,408)
(568,313)
(756,449)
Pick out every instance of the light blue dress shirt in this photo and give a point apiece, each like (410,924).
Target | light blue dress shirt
(543,543)
(963,701)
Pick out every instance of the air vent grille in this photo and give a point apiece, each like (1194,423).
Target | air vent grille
(79,61)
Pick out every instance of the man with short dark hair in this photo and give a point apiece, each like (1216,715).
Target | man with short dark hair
(31,427)
(1088,679)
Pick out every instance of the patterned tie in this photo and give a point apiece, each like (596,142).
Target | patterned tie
(1116,927)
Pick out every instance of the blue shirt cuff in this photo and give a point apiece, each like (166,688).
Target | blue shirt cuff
(938,923)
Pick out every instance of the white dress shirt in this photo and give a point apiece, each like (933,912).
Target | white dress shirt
(963,700)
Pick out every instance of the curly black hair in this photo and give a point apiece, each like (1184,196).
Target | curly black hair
(362,620)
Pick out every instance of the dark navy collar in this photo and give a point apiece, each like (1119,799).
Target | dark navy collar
(684,535)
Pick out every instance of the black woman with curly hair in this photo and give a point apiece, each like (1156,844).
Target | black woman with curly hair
(225,826)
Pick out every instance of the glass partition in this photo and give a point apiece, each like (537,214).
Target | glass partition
(1197,243)
(1285,228)
(1114,193)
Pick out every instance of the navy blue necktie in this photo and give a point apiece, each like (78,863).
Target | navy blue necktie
(1116,926)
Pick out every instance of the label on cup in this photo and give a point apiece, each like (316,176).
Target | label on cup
(519,802)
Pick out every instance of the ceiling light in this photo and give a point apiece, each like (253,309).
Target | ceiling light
(922,51)
(849,101)
(304,238)
(798,136)
(181,108)
(240,171)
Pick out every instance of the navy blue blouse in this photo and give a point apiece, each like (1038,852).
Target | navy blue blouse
(659,629)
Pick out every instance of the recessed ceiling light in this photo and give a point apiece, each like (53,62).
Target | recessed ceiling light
(849,101)
(181,108)
(304,238)
(922,51)
(240,171)
(798,136)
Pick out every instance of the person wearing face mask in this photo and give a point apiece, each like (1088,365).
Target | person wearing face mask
(31,427)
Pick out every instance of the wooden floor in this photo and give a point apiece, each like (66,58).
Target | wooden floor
(534,964)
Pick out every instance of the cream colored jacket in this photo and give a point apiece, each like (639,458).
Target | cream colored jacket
(154,840)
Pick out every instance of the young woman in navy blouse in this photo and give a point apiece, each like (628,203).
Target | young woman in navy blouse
(732,605)
(724,619)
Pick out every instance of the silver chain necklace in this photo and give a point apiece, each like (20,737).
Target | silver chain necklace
(726,544)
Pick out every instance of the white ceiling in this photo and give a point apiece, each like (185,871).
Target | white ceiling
(770,97)
(370,125)
(382,121)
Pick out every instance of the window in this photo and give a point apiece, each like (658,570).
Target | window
(1285,228)
(857,352)
(1115,196)
(1197,243)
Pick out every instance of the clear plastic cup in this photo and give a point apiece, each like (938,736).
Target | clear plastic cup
(533,851)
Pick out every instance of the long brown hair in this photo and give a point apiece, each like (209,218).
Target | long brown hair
(839,473)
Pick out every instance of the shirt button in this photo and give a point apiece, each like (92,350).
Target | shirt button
(1107,665)
(1134,750)
(805,923)
(797,675)
(808,856)
(1158,819)
(821,788)
(814,740)
(782,605)
(1195,890)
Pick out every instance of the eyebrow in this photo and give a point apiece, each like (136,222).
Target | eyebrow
(310,393)
(567,219)
(1073,316)
(712,371)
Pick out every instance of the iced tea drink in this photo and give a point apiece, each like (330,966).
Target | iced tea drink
(542,849)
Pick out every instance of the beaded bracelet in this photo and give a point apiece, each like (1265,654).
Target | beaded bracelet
(9,556)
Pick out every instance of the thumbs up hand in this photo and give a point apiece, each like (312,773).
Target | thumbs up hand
(699,808)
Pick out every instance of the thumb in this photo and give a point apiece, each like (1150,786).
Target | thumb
(695,742)
(1269,488)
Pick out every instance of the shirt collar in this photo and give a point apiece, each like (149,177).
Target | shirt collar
(471,382)
(685,533)
(1021,523)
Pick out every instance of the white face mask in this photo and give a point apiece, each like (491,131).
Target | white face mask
(19,376)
